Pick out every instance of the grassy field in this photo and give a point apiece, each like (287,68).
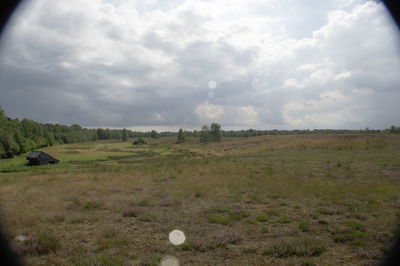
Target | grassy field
(268,200)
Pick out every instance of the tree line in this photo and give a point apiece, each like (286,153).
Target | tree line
(20,136)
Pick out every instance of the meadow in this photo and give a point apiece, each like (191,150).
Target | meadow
(328,199)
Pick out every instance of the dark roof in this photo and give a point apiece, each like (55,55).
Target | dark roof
(36,154)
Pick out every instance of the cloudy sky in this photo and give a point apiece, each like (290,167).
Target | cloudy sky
(160,64)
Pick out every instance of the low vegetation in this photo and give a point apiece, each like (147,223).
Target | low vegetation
(303,199)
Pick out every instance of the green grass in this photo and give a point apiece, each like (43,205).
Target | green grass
(284,220)
(262,218)
(304,226)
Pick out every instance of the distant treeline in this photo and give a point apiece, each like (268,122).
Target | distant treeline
(20,136)
(254,132)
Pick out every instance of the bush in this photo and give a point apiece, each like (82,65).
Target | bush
(139,141)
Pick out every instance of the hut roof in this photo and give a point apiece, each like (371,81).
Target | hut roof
(36,154)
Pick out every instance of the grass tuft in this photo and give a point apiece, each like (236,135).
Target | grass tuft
(262,218)
(304,247)
(304,226)
(219,219)
(91,205)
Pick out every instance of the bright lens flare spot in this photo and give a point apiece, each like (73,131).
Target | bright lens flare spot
(177,237)
(212,84)
(169,261)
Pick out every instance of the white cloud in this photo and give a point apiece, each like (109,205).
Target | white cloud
(209,112)
(279,64)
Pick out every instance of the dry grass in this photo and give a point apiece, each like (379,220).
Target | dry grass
(251,201)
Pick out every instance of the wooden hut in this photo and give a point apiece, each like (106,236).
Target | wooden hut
(40,158)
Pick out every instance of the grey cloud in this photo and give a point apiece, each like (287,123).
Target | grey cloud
(158,75)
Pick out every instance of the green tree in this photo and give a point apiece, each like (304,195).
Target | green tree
(181,136)
(10,146)
(154,134)
(124,135)
(216,132)
(205,134)
(2,151)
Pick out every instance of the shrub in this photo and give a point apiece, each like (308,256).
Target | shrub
(139,141)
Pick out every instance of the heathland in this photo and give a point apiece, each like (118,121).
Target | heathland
(320,199)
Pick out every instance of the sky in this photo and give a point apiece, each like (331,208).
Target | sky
(165,65)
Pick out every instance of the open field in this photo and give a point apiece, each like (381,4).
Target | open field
(268,200)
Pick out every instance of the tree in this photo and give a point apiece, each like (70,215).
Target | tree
(139,141)
(216,132)
(124,135)
(181,136)
(205,134)
(10,147)
(3,153)
(154,134)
